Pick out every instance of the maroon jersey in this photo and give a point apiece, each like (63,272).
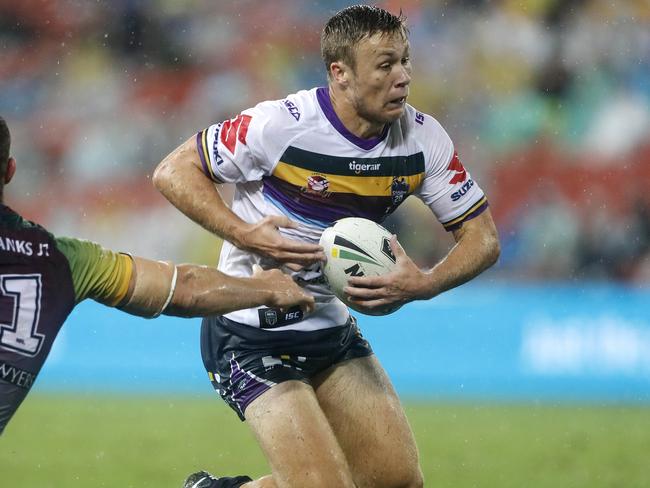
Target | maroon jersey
(36,296)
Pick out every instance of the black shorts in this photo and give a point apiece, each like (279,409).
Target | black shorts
(243,362)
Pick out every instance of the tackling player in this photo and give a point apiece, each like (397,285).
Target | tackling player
(310,388)
(43,277)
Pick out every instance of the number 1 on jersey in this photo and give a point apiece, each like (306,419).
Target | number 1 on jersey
(18,329)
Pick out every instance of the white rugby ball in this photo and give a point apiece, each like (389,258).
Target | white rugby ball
(356,247)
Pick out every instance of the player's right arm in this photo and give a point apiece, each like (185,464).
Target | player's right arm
(182,179)
(189,290)
(148,288)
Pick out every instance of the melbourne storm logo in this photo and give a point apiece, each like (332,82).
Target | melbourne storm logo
(399,190)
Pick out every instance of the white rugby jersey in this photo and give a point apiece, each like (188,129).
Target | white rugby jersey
(294,157)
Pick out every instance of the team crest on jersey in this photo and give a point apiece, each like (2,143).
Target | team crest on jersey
(317,185)
(399,189)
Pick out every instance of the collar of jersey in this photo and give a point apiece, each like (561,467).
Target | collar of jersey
(323,96)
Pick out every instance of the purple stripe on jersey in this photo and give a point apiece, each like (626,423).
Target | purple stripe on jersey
(325,209)
(469,216)
(323,96)
(297,205)
(245,387)
(201,150)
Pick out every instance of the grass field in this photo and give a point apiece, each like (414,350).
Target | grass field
(89,441)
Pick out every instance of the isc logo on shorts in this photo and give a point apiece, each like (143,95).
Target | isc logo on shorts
(270,318)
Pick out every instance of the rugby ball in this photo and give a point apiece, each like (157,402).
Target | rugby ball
(356,247)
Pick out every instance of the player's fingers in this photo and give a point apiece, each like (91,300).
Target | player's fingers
(396,247)
(364,293)
(294,266)
(368,304)
(291,245)
(308,303)
(282,221)
(367,281)
(299,258)
(295,297)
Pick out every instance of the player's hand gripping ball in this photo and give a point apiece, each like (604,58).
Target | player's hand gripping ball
(356,247)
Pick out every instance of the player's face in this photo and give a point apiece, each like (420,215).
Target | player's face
(380,83)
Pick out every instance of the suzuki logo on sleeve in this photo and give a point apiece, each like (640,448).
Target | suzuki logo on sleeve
(457,166)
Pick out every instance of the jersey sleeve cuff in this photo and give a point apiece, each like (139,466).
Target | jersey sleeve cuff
(202,147)
(474,211)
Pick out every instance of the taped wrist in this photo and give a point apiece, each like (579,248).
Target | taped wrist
(155,282)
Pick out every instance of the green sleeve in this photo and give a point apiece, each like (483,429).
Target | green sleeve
(97,273)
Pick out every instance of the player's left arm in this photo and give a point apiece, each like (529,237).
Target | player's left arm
(476,249)
(461,206)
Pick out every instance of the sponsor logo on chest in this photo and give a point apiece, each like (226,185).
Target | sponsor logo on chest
(359,168)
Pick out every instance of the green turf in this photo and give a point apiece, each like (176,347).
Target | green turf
(56,441)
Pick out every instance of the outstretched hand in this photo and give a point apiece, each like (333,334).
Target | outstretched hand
(406,282)
(284,292)
(263,238)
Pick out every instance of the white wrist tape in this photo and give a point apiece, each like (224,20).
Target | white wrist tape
(155,282)
(172,288)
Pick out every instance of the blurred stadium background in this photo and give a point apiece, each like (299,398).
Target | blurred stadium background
(543,360)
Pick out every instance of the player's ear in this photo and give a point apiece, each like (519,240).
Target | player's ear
(340,73)
(11,170)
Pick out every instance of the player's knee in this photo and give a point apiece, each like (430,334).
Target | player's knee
(407,479)
(322,478)
(411,479)
(328,481)
(405,476)
(415,479)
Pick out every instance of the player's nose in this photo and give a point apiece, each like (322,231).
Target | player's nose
(404,78)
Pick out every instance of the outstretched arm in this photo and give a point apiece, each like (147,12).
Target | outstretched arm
(477,248)
(180,178)
(188,290)
(148,288)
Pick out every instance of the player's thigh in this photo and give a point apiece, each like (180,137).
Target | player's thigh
(368,420)
(296,438)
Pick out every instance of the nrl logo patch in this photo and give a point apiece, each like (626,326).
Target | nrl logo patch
(271,317)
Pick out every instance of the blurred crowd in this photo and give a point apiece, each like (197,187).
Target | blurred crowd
(548,102)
